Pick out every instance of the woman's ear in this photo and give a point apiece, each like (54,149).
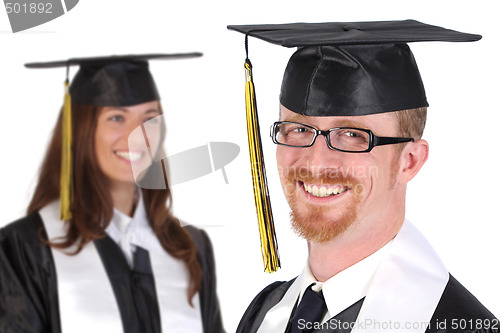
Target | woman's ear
(412,159)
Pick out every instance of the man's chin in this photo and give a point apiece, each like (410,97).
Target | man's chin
(320,229)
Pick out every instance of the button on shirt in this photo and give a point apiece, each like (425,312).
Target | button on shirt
(340,291)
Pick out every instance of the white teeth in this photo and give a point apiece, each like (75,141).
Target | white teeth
(129,155)
(323,191)
(315,190)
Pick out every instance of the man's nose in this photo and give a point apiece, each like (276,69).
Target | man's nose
(321,156)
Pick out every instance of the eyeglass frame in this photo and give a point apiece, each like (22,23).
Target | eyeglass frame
(374,140)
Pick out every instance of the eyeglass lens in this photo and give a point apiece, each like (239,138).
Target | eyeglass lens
(299,135)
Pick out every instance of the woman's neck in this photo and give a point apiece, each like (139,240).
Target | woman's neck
(123,197)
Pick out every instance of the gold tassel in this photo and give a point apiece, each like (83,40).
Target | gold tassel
(268,241)
(66,182)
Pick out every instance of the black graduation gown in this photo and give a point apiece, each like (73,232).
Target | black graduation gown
(457,308)
(28,284)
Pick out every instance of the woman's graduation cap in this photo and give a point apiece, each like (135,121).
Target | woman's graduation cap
(122,80)
(339,69)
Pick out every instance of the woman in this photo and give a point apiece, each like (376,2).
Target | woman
(120,262)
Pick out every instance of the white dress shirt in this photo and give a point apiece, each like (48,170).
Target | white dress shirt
(346,287)
(121,228)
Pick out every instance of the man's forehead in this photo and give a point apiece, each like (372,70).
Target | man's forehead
(365,121)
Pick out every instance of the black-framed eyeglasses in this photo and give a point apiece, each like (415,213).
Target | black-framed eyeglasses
(346,139)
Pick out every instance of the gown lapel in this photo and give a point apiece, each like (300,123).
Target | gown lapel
(134,289)
(84,304)
(406,287)
(343,322)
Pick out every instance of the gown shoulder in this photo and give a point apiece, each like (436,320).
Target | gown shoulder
(460,311)
(211,314)
(28,287)
(261,304)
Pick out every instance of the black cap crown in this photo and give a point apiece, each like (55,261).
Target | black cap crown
(115,80)
(352,69)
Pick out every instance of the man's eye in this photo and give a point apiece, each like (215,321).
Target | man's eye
(352,134)
(301,129)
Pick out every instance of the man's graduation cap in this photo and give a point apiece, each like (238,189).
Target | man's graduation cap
(339,69)
(123,80)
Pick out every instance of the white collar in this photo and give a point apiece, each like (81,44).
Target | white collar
(346,287)
(121,224)
(136,230)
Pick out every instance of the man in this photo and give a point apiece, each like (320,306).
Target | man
(352,114)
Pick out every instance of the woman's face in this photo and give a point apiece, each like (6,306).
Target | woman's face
(114,155)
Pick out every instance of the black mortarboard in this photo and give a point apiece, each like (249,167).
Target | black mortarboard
(339,69)
(350,69)
(113,81)
(123,80)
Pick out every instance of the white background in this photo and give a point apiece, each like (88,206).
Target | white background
(454,200)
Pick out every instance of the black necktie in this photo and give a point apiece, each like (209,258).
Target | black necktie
(309,313)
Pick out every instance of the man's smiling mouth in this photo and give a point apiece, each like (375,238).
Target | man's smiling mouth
(322,191)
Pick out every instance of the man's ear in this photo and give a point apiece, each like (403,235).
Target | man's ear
(412,159)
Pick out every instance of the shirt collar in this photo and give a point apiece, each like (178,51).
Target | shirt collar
(121,224)
(346,287)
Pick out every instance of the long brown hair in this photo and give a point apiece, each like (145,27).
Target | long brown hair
(92,204)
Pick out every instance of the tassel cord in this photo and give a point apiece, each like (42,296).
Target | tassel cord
(66,180)
(264,214)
